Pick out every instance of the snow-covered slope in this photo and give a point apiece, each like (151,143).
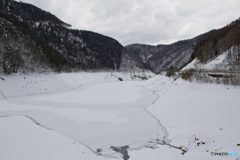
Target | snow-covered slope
(201,118)
(212,65)
(228,61)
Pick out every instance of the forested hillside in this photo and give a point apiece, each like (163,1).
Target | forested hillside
(33,40)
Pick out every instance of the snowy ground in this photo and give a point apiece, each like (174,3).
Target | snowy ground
(202,118)
(88,113)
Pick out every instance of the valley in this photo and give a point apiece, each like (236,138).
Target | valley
(71,94)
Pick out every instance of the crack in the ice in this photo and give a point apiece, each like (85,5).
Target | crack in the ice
(3,94)
(123,149)
(34,121)
(163,128)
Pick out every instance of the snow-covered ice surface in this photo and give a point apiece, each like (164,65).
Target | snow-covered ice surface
(116,127)
(103,94)
(22,139)
(90,117)
(17,85)
(99,116)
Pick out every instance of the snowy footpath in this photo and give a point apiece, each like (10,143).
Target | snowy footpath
(95,116)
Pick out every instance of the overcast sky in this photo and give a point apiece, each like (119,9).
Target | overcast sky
(144,21)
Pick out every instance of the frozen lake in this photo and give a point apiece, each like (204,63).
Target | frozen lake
(99,116)
(102,94)
(53,117)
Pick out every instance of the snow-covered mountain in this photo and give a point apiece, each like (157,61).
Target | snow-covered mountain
(224,62)
(33,40)
(161,56)
(218,43)
(216,58)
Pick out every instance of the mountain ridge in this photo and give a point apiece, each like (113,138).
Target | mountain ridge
(50,44)
(162,56)
(33,40)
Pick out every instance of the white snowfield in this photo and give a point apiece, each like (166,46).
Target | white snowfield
(88,113)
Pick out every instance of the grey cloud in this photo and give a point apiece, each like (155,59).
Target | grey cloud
(144,21)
